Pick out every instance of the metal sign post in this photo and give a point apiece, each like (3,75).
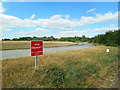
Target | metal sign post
(35,62)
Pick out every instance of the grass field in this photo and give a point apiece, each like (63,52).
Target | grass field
(85,68)
(10,45)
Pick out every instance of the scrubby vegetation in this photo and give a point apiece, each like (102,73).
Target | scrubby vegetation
(110,38)
(86,68)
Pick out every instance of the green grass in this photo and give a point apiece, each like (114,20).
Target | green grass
(85,68)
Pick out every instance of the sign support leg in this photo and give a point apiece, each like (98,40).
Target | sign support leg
(35,62)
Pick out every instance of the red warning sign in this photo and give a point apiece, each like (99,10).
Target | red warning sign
(36,48)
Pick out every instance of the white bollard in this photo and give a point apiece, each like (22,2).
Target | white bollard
(107,50)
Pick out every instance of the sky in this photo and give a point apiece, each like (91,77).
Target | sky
(58,19)
(59,0)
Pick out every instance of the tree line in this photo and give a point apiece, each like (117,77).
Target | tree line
(110,38)
(51,38)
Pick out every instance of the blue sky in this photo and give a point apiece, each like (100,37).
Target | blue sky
(58,19)
(60,0)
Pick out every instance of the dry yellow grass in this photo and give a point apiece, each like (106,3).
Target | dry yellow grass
(9,45)
(86,68)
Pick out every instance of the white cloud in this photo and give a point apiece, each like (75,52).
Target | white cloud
(61,22)
(75,33)
(33,16)
(72,33)
(37,31)
(41,29)
(94,32)
(1,8)
(4,0)
(99,18)
(113,25)
(56,21)
(56,17)
(91,10)
(1,31)
(104,29)
(7,29)
(4,29)
(21,0)
(11,21)
(67,16)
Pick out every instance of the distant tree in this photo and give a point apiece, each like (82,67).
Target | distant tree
(6,39)
(15,39)
(83,38)
(34,37)
(44,37)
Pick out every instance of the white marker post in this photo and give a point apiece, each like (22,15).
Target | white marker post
(107,50)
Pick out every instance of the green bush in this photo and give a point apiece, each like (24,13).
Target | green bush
(56,76)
